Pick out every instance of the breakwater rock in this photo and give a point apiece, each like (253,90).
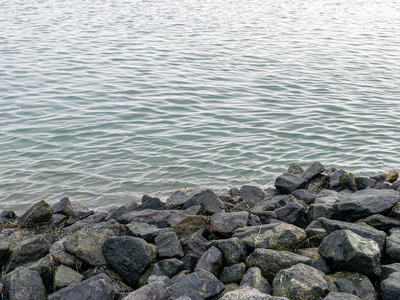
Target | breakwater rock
(319,233)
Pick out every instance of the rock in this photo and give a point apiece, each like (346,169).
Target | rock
(317,261)
(64,276)
(391,175)
(266,217)
(328,197)
(233,274)
(248,293)
(393,247)
(119,211)
(287,183)
(177,200)
(270,262)
(366,203)
(211,261)
(57,222)
(290,213)
(153,270)
(189,225)
(76,215)
(390,287)
(144,231)
(295,169)
(171,267)
(228,288)
(313,171)
(252,194)
(28,251)
(241,206)
(153,291)
(346,286)
(347,251)
(254,279)
(254,220)
(305,195)
(348,182)
(198,286)
(163,279)
(152,203)
(168,245)
(273,236)
(128,256)
(361,284)
(38,215)
(45,267)
(302,282)
(389,269)
(63,207)
(22,284)
(233,250)
(210,203)
(395,185)
(4,253)
(365,182)
(98,287)
(341,296)
(318,210)
(57,250)
(319,183)
(223,224)
(87,246)
(335,179)
(7,217)
(380,222)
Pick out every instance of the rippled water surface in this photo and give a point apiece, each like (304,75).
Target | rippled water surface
(103,101)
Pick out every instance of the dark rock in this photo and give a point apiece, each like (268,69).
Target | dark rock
(254,220)
(389,269)
(334,179)
(252,194)
(232,274)
(57,250)
(313,171)
(233,250)
(194,244)
(302,282)
(7,216)
(273,236)
(348,182)
(64,276)
(317,261)
(230,287)
(241,206)
(365,182)
(383,186)
(362,285)
(190,203)
(198,286)
(305,195)
(152,203)
(45,267)
(167,281)
(189,225)
(144,231)
(395,185)
(319,183)
(57,222)
(290,213)
(153,291)
(177,200)
(254,279)
(379,177)
(171,267)
(98,287)
(380,222)
(295,169)
(265,216)
(168,245)
(4,252)
(128,256)
(328,197)
(211,261)
(210,203)
(341,296)
(63,206)
(118,212)
(38,215)
(347,251)
(317,210)
(76,215)
(23,284)
(390,287)
(287,183)
(393,247)
(366,203)
(28,251)
(223,224)
(153,270)
(346,286)
(270,262)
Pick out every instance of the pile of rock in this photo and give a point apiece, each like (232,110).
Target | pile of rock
(318,234)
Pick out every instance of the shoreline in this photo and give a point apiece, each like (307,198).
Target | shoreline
(246,241)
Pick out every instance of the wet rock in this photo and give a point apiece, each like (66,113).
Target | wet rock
(233,250)
(341,296)
(76,215)
(4,253)
(211,261)
(380,222)
(153,291)
(391,175)
(252,194)
(313,171)
(64,276)
(63,207)
(152,203)
(144,231)
(287,183)
(317,261)
(254,279)
(290,213)
(128,256)
(38,215)
(198,286)
(57,222)
(273,236)
(22,284)
(189,225)
(45,267)
(393,247)
(177,200)
(360,283)
(98,287)
(335,179)
(270,262)
(225,223)
(390,287)
(305,195)
(302,282)
(8,217)
(365,182)
(366,203)
(266,217)
(348,182)
(168,245)
(210,203)
(348,251)
(171,267)
(316,211)
(295,169)
(389,269)
(233,274)
(57,250)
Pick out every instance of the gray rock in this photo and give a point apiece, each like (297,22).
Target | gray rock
(63,206)
(167,281)
(341,296)
(389,269)
(153,291)
(361,285)
(211,261)
(4,252)
(98,287)
(39,214)
(28,251)
(290,213)
(254,279)
(57,250)
(270,262)
(365,182)
(64,276)
(171,267)
(8,217)
(198,286)
(45,267)
(287,183)
(22,284)
(190,225)
(128,256)
(390,287)
(305,195)
(152,203)
(302,282)
(393,247)
(233,274)
(348,182)
(226,223)
(319,210)
(233,250)
(313,171)
(328,197)
(348,251)
(295,169)
(380,222)
(75,215)
(379,177)
(254,220)
(346,286)
(366,203)
(153,270)
(273,236)
(334,179)
(144,231)
(317,261)
(210,203)
(249,293)
(177,200)
(252,194)
(168,245)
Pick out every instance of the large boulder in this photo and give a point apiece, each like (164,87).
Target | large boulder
(23,284)
(355,283)
(347,251)
(223,224)
(254,279)
(302,282)
(278,236)
(390,287)
(287,183)
(128,256)
(38,215)
(270,262)
(251,195)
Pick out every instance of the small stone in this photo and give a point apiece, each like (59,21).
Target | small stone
(361,285)
(391,175)
(348,182)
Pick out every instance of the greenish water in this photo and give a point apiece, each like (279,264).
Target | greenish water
(103,101)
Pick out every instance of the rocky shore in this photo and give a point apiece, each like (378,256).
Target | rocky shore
(319,233)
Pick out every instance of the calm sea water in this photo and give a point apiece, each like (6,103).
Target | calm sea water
(103,101)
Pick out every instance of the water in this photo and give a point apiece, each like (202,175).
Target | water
(104,101)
